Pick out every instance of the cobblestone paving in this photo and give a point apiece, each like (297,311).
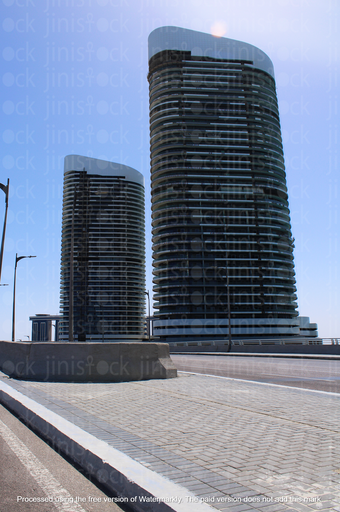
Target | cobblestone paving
(241,446)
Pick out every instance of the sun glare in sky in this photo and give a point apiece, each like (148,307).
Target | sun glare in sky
(219,29)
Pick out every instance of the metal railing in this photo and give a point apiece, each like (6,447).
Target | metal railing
(331,341)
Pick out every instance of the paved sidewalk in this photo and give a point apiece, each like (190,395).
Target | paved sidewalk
(237,446)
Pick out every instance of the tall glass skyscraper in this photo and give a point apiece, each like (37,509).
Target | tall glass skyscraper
(222,241)
(103,251)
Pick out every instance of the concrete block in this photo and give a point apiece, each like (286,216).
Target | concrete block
(86,362)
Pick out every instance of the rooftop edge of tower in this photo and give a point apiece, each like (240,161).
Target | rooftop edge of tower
(201,44)
(102,168)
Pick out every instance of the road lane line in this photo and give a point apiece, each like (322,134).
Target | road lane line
(50,486)
(261,383)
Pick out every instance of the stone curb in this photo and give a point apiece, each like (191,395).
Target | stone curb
(118,472)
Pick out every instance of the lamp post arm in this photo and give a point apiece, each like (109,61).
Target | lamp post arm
(5,189)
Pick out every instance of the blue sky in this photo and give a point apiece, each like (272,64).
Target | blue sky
(74,80)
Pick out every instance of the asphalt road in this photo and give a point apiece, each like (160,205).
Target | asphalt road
(30,470)
(317,374)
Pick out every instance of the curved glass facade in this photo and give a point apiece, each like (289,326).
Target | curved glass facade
(103,213)
(220,214)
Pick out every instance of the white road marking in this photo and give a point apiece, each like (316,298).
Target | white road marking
(62,499)
(261,383)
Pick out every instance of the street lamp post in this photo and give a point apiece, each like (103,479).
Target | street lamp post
(227,283)
(5,188)
(148,294)
(70,303)
(17,258)
(71,284)
(229,312)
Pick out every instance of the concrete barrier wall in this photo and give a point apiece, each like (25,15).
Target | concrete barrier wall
(86,362)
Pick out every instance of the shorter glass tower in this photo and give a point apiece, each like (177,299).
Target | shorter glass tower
(103,251)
